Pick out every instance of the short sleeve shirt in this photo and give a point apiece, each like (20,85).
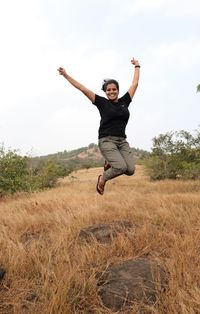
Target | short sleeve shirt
(114,115)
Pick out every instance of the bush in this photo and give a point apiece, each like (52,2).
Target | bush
(175,155)
(47,174)
(17,173)
(13,172)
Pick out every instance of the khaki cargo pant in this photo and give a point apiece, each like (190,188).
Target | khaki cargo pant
(118,154)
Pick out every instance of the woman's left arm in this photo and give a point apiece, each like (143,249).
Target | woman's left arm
(134,85)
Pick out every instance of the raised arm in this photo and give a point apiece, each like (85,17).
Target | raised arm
(136,76)
(88,93)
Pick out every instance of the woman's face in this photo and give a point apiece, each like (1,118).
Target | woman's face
(112,92)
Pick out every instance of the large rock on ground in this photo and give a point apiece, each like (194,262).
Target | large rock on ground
(132,281)
(104,233)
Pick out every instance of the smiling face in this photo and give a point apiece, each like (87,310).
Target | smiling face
(112,92)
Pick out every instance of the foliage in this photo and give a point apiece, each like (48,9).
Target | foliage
(198,88)
(175,155)
(46,175)
(13,171)
(18,173)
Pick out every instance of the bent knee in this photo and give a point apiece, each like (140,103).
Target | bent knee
(121,170)
(130,171)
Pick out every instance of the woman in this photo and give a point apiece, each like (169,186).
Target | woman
(114,118)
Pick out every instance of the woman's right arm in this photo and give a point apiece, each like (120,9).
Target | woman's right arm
(88,93)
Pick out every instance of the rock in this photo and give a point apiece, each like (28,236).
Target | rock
(104,233)
(31,296)
(27,238)
(132,281)
(2,272)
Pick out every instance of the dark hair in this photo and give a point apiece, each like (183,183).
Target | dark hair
(109,81)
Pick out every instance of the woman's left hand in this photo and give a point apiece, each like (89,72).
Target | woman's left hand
(134,62)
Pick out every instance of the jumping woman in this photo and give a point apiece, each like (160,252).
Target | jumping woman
(114,118)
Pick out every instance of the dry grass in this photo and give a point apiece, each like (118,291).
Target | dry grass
(48,270)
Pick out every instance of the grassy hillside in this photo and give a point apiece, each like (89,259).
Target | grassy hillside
(48,270)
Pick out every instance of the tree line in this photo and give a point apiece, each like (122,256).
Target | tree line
(174,155)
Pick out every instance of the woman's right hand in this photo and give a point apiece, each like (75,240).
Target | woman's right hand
(62,71)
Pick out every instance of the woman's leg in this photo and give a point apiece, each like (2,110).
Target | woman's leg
(110,151)
(127,154)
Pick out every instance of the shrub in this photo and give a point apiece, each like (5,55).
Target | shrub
(19,173)
(13,172)
(47,174)
(175,155)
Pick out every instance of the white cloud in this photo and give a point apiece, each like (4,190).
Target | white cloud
(23,43)
(147,4)
(182,9)
(184,54)
(170,8)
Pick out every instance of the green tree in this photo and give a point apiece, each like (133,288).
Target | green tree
(13,171)
(19,173)
(198,88)
(175,155)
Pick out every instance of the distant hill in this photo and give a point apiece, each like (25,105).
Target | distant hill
(84,157)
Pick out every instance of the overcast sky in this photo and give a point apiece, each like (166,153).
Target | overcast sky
(41,113)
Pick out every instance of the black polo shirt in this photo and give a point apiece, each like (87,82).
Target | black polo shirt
(114,115)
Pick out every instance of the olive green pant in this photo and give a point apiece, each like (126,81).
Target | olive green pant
(118,154)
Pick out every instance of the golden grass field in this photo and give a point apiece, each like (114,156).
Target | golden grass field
(48,270)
